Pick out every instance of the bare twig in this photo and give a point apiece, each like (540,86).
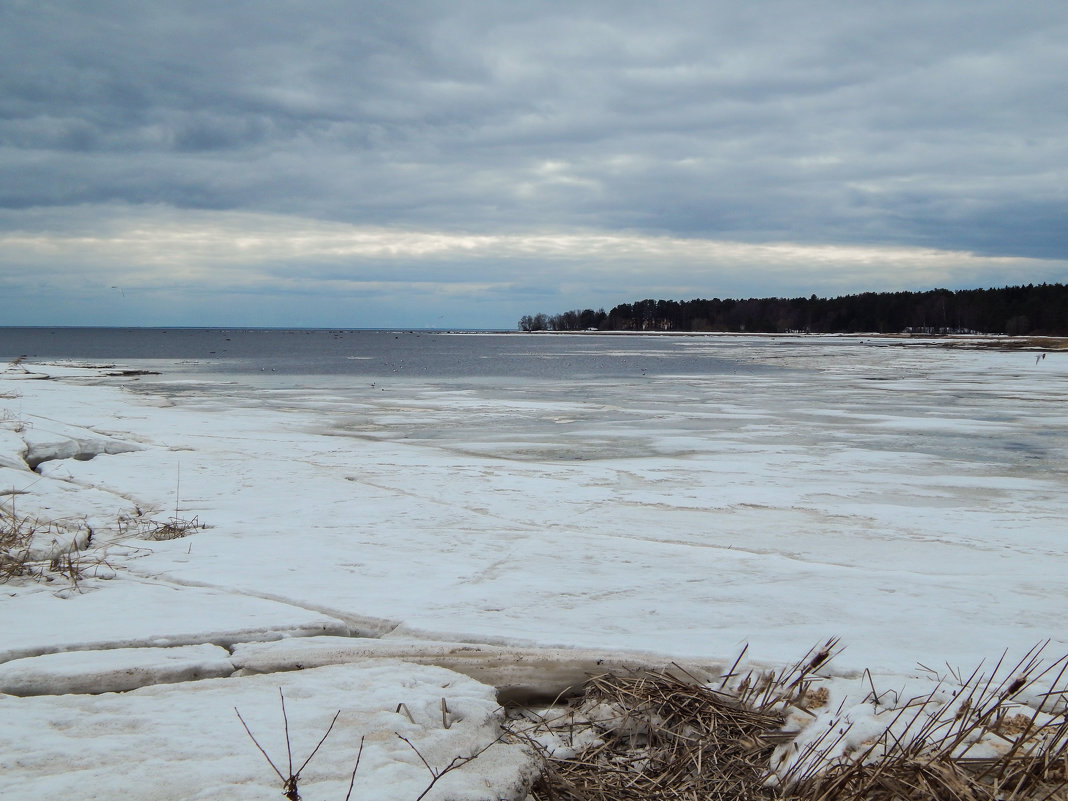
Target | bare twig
(289,783)
(436,774)
(355,768)
(260,747)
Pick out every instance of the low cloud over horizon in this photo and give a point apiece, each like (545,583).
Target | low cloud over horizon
(459,165)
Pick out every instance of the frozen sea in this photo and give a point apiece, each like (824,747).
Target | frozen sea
(655,497)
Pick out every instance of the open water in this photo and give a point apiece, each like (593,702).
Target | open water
(375,353)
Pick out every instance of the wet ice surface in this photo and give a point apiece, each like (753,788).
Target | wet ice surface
(910,500)
(906,499)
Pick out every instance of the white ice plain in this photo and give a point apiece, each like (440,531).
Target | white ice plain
(414,541)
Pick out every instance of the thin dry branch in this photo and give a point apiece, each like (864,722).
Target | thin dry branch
(290,781)
(437,773)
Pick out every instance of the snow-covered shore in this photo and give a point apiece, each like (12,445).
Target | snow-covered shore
(348,536)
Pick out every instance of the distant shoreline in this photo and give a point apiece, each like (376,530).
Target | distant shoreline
(1005,341)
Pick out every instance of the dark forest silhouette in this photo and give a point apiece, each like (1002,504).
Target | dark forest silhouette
(1035,309)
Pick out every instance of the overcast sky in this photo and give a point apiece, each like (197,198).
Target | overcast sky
(461,163)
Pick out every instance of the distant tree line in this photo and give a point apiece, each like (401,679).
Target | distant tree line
(568,321)
(1036,309)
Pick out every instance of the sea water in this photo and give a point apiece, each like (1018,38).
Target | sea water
(371,353)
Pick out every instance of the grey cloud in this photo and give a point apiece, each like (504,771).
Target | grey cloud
(934,124)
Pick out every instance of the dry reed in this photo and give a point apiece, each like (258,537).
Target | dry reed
(667,735)
(41,550)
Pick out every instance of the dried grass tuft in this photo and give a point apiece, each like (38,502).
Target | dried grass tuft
(146,528)
(43,551)
(661,735)
(926,750)
(46,550)
(16,535)
(172,529)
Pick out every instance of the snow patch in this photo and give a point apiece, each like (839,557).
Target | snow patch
(182,741)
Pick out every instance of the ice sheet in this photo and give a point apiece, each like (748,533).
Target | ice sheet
(915,514)
(911,501)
